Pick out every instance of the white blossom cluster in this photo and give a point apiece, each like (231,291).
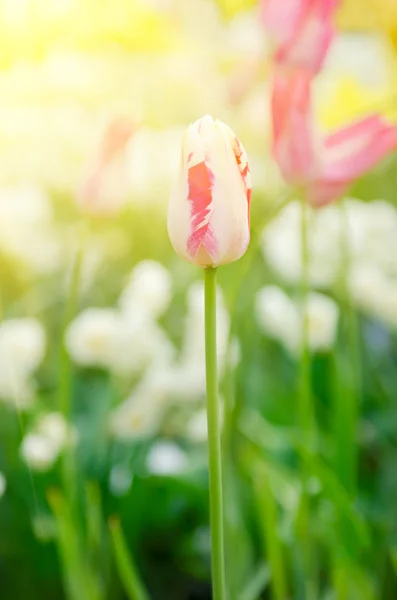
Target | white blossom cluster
(357,241)
(129,342)
(41,447)
(282,318)
(22,349)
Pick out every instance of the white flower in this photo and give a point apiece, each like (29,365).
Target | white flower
(3,484)
(22,349)
(193,348)
(277,315)
(39,452)
(41,447)
(148,290)
(140,415)
(16,390)
(139,343)
(104,337)
(91,337)
(375,293)
(323,315)
(22,345)
(24,205)
(282,244)
(166,458)
(54,427)
(373,233)
(282,319)
(26,229)
(366,283)
(134,421)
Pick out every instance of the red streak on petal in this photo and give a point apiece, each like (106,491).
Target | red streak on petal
(200,181)
(242,163)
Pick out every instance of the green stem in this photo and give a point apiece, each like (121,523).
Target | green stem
(65,373)
(267,509)
(125,565)
(79,580)
(305,395)
(214,439)
(306,417)
(346,409)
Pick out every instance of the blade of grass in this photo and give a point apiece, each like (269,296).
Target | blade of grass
(273,551)
(306,423)
(347,398)
(257,584)
(127,570)
(68,467)
(79,581)
(94,517)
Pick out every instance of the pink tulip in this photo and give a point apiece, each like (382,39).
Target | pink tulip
(323,168)
(208,218)
(301,30)
(104,186)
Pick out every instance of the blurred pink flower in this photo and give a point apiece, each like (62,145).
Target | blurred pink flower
(105,185)
(323,168)
(301,30)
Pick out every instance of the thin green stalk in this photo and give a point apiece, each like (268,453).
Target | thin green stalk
(306,418)
(214,440)
(79,580)
(267,510)
(305,392)
(125,565)
(347,379)
(341,582)
(346,403)
(93,517)
(65,375)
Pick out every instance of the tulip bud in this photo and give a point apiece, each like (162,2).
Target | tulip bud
(208,218)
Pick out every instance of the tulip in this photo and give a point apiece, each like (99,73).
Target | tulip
(301,31)
(324,168)
(105,184)
(208,218)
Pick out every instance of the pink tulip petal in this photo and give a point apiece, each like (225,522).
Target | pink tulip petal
(308,46)
(293,139)
(281,19)
(200,182)
(356,148)
(323,192)
(302,31)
